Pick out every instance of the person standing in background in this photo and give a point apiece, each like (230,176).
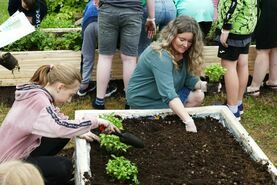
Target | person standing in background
(35,10)
(236,22)
(266,45)
(89,45)
(119,19)
(165,11)
(202,11)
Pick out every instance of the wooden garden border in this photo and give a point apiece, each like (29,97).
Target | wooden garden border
(29,61)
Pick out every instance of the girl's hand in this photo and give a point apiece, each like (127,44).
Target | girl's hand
(89,136)
(106,126)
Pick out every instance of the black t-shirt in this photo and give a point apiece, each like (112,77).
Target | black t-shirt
(37,13)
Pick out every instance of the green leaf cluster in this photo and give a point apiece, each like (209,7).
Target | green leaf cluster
(122,169)
(59,20)
(66,6)
(214,72)
(113,119)
(119,168)
(40,41)
(112,143)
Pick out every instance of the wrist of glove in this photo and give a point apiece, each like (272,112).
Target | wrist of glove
(190,125)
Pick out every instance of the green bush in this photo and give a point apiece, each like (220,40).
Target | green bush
(40,41)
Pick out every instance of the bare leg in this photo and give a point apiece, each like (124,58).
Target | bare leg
(273,67)
(231,81)
(129,65)
(103,74)
(260,69)
(242,70)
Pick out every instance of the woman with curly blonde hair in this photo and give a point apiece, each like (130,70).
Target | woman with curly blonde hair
(166,73)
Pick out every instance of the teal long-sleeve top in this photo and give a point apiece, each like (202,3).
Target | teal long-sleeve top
(156,81)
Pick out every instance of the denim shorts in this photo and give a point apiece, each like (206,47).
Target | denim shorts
(183,94)
(118,24)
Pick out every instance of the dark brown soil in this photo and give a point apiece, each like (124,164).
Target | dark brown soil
(172,156)
(7,95)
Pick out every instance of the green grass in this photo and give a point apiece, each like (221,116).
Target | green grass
(3,11)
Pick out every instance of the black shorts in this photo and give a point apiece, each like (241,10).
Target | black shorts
(232,53)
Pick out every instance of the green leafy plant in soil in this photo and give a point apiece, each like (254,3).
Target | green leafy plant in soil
(122,169)
(111,142)
(113,119)
(214,72)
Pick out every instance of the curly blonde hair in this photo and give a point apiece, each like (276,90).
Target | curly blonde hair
(194,54)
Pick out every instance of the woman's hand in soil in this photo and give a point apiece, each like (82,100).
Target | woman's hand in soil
(89,136)
(190,126)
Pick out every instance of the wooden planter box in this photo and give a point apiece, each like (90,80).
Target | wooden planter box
(29,61)
(222,113)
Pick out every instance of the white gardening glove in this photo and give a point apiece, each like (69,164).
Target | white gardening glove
(190,126)
(89,136)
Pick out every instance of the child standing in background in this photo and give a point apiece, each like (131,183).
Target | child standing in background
(236,23)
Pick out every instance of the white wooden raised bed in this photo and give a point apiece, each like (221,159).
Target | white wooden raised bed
(222,113)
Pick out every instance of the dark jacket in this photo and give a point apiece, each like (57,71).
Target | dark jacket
(37,13)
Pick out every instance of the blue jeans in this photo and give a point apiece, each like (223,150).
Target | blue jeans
(89,45)
(183,94)
(165,11)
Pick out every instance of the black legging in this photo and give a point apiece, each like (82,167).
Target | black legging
(56,170)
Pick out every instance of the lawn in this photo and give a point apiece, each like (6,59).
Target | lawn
(3,10)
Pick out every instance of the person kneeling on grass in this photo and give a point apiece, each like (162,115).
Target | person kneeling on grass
(165,75)
(35,130)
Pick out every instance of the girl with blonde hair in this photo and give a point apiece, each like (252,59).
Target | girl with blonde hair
(35,130)
(19,173)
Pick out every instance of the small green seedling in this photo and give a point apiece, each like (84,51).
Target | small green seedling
(122,169)
(113,119)
(214,72)
(112,143)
